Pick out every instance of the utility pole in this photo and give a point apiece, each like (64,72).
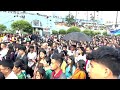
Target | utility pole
(87,15)
(69,18)
(116,19)
(76,18)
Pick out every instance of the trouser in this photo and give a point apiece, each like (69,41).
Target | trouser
(30,71)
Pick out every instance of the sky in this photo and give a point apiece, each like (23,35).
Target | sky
(105,15)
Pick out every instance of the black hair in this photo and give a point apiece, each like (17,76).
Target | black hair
(57,57)
(7,63)
(84,52)
(22,47)
(81,64)
(72,63)
(107,56)
(42,72)
(19,64)
(31,47)
(2,75)
(4,43)
(42,50)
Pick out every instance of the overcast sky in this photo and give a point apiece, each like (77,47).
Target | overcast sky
(105,15)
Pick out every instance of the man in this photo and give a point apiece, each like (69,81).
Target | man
(105,63)
(6,69)
(22,55)
(4,50)
(56,67)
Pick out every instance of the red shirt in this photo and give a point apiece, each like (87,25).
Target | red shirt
(56,76)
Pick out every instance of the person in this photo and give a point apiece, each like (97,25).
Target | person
(11,53)
(56,62)
(22,55)
(17,69)
(4,50)
(80,72)
(46,66)
(70,68)
(6,69)
(40,74)
(31,60)
(105,63)
(2,75)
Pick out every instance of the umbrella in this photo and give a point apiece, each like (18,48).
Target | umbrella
(77,36)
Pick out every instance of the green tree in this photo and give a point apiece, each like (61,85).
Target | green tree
(62,31)
(2,27)
(105,33)
(89,32)
(70,20)
(23,25)
(55,32)
(73,29)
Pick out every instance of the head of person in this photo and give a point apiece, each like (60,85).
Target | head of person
(56,61)
(81,65)
(27,43)
(40,74)
(64,47)
(105,63)
(21,49)
(71,62)
(44,45)
(88,49)
(42,54)
(3,45)
(72,48)
(18,66)
(7,66)
(31,49)
(10,48)
(82,50)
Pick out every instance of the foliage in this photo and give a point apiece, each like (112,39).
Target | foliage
(62,31)
(70,20)
(22,25)
(55,32)
(73,29)
(105,33)
(2,27)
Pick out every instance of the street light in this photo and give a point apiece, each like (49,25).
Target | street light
(116,25)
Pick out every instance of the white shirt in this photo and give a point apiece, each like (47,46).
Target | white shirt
(3,52)
(31,56)
(70,53)
(11,76)
(80,57)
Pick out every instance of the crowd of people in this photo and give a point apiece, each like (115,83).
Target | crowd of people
(32,57)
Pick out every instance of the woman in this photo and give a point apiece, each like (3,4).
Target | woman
(17,69)
(70,68)
(40,74)
(81,54)
(80,72)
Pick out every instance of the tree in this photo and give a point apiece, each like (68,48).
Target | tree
(73,29)
(62,31)
(105,33)
(2,27)
(70,20)
(54,32)
(23,25)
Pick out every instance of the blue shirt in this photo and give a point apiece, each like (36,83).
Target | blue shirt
(67,71)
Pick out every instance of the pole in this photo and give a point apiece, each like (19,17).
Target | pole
(116,19)
(87,15)
(76,18)
(69,18)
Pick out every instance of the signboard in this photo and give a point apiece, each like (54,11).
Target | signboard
(36,23)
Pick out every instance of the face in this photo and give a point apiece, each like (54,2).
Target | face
(31,49)
(38,75)
(54,64)
(88,50)
(20,52)
(72,48)
(96,70)
(4,70)
(28,43)
(16,70)
(42,55)
(2,45)
(69,61)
